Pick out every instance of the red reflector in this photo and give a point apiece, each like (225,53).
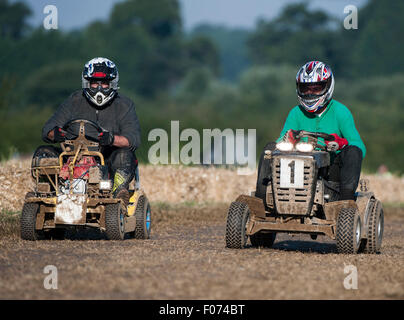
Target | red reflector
(99,75)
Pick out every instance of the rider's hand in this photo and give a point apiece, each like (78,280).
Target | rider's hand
(106,138)
(59,135)
(337,144)
(291,135)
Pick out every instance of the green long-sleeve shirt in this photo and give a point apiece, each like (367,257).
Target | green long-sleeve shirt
(335,119)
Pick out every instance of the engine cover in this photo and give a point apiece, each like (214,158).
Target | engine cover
(82,167)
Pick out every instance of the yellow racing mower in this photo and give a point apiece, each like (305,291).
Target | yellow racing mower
(74,190)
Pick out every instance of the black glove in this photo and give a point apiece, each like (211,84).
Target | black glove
(106,138)
(59,135)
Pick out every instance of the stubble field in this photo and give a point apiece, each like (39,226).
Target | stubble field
(186,256)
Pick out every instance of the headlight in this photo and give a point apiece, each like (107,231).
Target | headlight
(304,147)
(105,185)
(284,146)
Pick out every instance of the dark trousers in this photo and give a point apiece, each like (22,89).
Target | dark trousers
(345,169)
(121,163)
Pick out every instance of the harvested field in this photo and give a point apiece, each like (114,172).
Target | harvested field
(186,257)
(179,184)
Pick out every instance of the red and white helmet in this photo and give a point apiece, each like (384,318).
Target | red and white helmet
(314,85)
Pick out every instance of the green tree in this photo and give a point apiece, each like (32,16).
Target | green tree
(296,36)
(202,52)
(378,46)
(53,83)
(161,19)
(231,45)
(146,39)
(13,19)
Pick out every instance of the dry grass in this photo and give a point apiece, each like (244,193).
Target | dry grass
(179,184)
(9,225)
(186,259)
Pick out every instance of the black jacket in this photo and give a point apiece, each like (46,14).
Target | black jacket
(118,117)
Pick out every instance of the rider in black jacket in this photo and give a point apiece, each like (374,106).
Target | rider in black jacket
(100,102)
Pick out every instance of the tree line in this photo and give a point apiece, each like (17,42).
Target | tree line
(211,77)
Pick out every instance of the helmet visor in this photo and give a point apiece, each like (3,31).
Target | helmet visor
(99,86)
(312,88)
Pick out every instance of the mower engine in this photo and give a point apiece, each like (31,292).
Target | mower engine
(81,174)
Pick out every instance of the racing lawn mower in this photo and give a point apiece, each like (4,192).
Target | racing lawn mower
(74,190)
(299,199)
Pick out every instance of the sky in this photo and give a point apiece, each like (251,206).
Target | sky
(73,14)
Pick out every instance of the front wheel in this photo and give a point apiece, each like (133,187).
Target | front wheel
(237,217)
(349,229)
(114,221)
(28,222)
(143,219)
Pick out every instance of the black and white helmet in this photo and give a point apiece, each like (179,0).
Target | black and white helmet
(314,85)
(101,70)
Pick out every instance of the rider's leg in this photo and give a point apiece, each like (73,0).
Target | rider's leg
(264,172)
(122,164)
(347,169)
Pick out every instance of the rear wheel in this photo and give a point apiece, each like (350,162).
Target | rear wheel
(263,239)
(28,222)
(237,217)
(375,229)
(114,221)
(143,219)
(349,228)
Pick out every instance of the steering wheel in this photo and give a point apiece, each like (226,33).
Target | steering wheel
(302,133)
(92,123)
(313,137)
(96,126)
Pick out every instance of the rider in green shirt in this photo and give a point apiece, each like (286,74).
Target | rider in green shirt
(335,119)
(318,112)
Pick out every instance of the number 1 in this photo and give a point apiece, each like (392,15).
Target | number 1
(292,171)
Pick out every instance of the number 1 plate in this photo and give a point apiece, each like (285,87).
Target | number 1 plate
(292,173)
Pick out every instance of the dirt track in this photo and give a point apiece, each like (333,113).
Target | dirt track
(186,259)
